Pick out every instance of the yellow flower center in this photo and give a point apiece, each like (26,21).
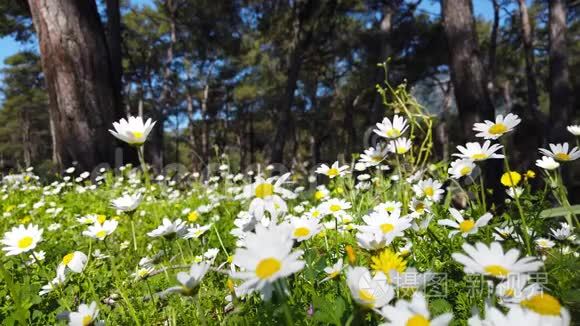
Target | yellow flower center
(498,129)
(496,270)
(332,172)
(417,320)
(67,259)
(301,232)
(429,191)
(333,274)
(25,242)
(366,296)
(465,171)
(101,234)
(318,195)
(387,227)
(479,156)
(562,156)
(420,208)
(393,132)
(544,304)
(466,226)
(335,208)
(192,217)
(268,267)
(264,190)
(390,209)
(87,320)
(401,149)
(101,218)
(137,134)
(509,292)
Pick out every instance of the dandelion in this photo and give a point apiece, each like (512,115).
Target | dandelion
(332,171)
(561,152)
(388,263)
(266,257)
(367,291)
(394,129)
(132,131)
(414,312)
(511,179)
(477,152)
(492,260)
(494,130)
(21,239)
(547,163)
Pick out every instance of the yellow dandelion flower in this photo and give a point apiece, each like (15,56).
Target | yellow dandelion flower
(387,262)
(511,179)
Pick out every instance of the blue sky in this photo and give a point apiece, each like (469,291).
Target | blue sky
(483,8)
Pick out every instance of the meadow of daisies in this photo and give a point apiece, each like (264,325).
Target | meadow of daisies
(391,238)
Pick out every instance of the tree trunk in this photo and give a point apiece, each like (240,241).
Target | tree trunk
(493,46)
(527,37)
(114,46)
(560,89)
(467,74)
(79,80)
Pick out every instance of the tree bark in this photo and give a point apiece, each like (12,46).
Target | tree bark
(532,94)
(493,46)
(114,46)
(79,80)
(467,74)
(560,89)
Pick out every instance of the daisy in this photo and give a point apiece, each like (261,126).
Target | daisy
(561,152)
(266,257)
(544,243)
(84,316)
(492,260)
(370,240)
(515,316)
(461,168)
(512,290)
(389,226)
(400,146)
(411,279)
(169,229)
(389,207)
(547,307)
(190,281)
(514,192)
(494,130)
(100,231)
(335,206)
(547,163)
(414,312)
(142,273)
(266,195)
(21,239)
(367,291)
(321,193)
(430,189)
(333,271)
(419,207)
(394,129)
(127,203)
(74,262)
(332,171)
(564,232)
(574,130)
(52,285)
(315,212)
(304,228)
(464,226)
(132,131)
(478,152)
(374,155)
(503,233)
(196,231)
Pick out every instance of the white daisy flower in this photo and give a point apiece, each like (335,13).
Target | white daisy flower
(389,226)
(430,189)
(503,233)
(132,131)
(142,273)
(515,316)
(196,231)
(477,152)
(21,239)
(574,130)
(127,203)
(332,171)
(334,206)
(374,155)
(388,207)
(544,243)
(565,232)
(494,130)
(367,291)
(266,195)
(547,307)
(419,207)
(333,271)
(492,260)
(190,280)
(514,192)
(464,226)
(414,312)
(321,193)
(169,229)
(561,152)
(400,146)
(74,262)
(84,316)
(394,129)
(547,163)
(304,228)
(371,240)
(101,231)
(52,285)
(514,289)
(266,257)
(461,168)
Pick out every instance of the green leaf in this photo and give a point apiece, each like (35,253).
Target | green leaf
(560,211)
